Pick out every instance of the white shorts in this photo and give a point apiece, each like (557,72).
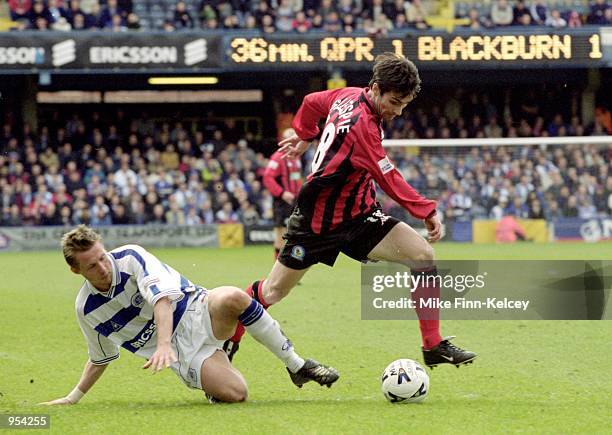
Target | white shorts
(194,342)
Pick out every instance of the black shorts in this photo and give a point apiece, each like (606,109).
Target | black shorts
(356,239)
(282,211)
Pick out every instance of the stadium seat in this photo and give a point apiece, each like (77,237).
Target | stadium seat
(140,9)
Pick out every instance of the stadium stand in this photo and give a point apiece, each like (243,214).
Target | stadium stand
(90,170)
(372,17)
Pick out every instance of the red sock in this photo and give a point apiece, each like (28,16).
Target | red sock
(238,334)
(429,318)
(276,252)
(253,291)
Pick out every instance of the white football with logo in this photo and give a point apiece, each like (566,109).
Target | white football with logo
(405,381)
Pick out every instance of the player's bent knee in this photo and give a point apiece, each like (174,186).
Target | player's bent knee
(237,299)
(425,253)
(221,381)
(239,394)
(230,395)
(233,299)
(235,392)
(422,257)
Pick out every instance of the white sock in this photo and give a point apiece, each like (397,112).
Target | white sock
(266,330)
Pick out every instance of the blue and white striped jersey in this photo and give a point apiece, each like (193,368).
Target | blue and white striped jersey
(124,316)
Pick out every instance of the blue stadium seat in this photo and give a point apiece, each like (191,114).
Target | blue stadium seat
(140,9)
(157,15)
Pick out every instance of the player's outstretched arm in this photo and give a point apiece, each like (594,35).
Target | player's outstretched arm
(293,147)
(91,374)
(164,355)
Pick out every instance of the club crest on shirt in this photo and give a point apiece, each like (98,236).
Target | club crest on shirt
(137,300)
(298,252)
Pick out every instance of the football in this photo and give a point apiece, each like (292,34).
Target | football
(405,381)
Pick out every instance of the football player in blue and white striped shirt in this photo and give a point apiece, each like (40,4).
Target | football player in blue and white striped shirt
(131,299)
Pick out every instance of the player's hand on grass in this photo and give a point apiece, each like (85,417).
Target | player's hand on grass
(162,358)
(434,228)
(61,401)
(288,197)
(292,147)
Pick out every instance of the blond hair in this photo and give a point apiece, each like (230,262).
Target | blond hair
(80,239)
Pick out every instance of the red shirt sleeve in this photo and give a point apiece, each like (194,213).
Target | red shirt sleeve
(370,155)
(272,171)
(314,108)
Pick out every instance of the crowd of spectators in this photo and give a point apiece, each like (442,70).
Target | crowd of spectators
(67,15)
(132,170)
(526,182)
(298,16)
(539,182)
(504,13)
(100,175)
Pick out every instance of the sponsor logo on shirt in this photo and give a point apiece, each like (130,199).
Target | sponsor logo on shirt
(144,337)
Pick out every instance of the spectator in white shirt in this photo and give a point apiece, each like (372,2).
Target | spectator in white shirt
(555,19)
(502,13)
(124,178)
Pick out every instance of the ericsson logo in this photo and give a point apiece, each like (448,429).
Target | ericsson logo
(63,52)
(133,55)
(22,55)
(196,52)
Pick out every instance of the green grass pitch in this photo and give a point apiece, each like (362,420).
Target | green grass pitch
(530,376)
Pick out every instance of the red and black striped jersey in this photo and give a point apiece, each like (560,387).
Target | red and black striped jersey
(350,156)
(283,175)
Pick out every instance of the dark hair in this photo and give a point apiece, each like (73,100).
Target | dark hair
(395,73)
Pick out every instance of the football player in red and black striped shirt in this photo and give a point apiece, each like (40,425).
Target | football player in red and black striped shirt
(283,178)
(337,209)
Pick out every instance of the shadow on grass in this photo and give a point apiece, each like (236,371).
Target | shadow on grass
(305,403)
(203,403)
